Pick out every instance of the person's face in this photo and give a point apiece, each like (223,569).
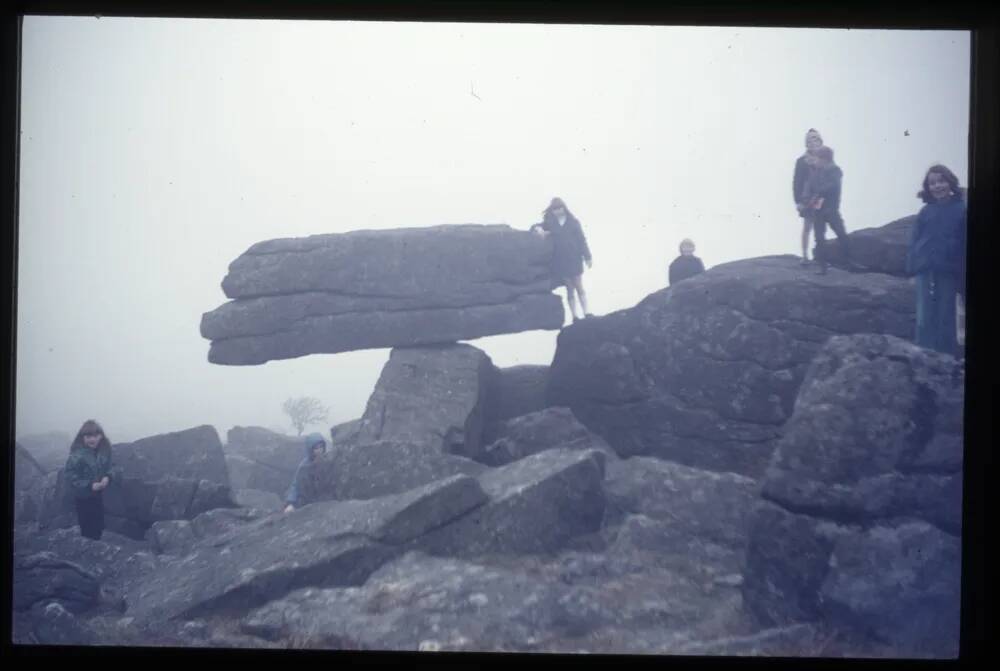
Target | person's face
(318,450)
(938,186)
(813,141)
(91,440)
(558,210)
(687,250)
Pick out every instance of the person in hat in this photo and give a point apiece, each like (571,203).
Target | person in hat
(570,252)
(298,494)
(88,474)
(686,265)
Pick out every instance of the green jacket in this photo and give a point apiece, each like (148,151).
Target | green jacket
(85,467)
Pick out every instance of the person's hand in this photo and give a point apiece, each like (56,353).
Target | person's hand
(289,508)
(97,486)
(590,263)
(105,481)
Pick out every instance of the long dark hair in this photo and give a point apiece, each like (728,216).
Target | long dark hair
(556,202)
(90,426)
(925,193)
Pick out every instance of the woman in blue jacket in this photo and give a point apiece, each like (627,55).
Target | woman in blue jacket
(937,257)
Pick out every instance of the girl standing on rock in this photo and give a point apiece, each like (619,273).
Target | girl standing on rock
(569,253)
(937,257)
(88,474)
(804,167)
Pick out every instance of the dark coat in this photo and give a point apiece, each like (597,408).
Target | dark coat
(802,172)
(824,182)
(85,467)
(684,267)
(569,246)
(302,490)
(938,240)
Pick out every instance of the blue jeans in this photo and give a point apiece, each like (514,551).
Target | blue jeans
(936,326)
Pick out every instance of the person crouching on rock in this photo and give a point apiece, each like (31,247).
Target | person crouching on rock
(570,251)
(686,265)
(298,495)
(822,203)
(88,473)
(937,257)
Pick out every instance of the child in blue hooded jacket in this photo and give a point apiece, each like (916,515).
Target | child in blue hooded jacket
(314,447)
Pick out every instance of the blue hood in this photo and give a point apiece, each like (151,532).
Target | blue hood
(311,440)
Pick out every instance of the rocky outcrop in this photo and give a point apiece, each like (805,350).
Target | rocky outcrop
(880,249)
(432,395)
(375,289)
(705,373)
(194,454)
(28,476)
(517,391)
(49,450)
(371,470)
(536,432)
(536,505)
(261,459)
(324,544)
(681,517)
(860,519)
(171,476)
(176,537)
(43,577)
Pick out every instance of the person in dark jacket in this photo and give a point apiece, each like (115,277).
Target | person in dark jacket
(821,196)
(804,167)
(686,265)
(570,252)
(88,474)
(298,494)
(937,257)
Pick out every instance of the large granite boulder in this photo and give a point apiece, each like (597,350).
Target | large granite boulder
(374,289)
(259,499)
(706,372)
(418,602)
(194,454)
(116,562)
(261,459)
(50,450)
(43,577)
(569,603)
(684,518)
(51,623)
(435,395)
(536,505)
(880,249)
(324,544)
(176,537)
(517,391)
(28,476)
(536,432)
(861,513)
(371,470)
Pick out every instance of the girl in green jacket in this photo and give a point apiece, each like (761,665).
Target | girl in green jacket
(88,474)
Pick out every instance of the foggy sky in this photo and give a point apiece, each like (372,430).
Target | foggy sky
(156,151)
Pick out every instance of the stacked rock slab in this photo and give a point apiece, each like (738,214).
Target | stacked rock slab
(860,519)
(376,289)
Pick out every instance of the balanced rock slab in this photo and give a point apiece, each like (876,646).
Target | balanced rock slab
(375,289)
